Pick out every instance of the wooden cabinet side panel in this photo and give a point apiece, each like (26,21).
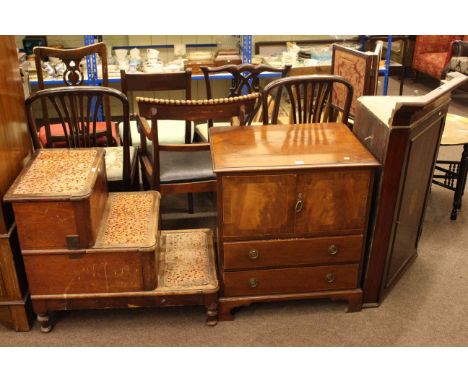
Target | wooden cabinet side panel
(333,201)
(97,202)
(258,204)
(15,141)
(10,286)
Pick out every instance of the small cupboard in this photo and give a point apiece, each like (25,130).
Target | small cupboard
(292,219)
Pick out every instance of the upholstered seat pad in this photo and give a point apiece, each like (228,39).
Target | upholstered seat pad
(459,64)
(169,132)
(56,130)
(114,162)
(180,166)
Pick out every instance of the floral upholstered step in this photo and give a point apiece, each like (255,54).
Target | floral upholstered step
(130,220)
(58,172)
(187,261)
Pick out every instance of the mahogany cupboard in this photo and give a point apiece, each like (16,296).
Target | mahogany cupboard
(293,204)
(15,149)
(404,135)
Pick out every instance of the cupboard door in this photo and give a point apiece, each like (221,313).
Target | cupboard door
(258,205)
(332,201)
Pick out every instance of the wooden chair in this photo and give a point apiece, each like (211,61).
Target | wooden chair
(168,131)
(360,69)
(186,168)
(77,110)
(311,98)
(245,79)
(73,76)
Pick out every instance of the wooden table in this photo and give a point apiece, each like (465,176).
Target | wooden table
(293,206)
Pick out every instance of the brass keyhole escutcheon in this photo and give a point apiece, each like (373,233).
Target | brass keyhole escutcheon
(330,277)
(333,249)
(253,254)
(299,203)
(253,282)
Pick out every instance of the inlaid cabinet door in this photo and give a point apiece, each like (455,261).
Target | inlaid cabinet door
(332,201)
(258,205)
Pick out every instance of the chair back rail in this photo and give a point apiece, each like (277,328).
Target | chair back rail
(244,76)
(310,97)
(73,75)
(246,79)
(159,82)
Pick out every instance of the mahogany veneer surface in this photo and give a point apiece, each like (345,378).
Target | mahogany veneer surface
(277,147)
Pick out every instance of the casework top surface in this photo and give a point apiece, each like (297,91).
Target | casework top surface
(287,147)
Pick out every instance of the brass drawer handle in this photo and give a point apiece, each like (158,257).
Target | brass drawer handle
(253,282)
(333,249)
(253,254)
(299,203)
(330,278)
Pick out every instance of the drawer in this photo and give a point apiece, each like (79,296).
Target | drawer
(290,280)
(274,253)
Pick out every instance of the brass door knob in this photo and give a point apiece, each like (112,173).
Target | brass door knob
(253,254)
(333,249)
(253,282)
(330,278)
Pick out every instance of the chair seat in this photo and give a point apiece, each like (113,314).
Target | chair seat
(169,132)
(114,162)
(185,166)
(202,129)
(56,131)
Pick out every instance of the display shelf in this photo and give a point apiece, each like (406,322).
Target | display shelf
(115,80)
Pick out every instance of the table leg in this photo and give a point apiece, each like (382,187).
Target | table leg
(461,182)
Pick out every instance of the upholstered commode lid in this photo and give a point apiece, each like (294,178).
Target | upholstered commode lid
(130,221)
(57,174)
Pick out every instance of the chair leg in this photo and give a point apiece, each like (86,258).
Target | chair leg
(402,80)
(190,203)
(461,183)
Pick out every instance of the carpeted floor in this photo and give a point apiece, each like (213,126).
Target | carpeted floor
(428,307)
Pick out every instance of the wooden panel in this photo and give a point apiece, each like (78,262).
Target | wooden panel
(15,142)
(419,167)
(45,225)
(270,253)
(258,205)
(290,280)
(103,272)
(333,201)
